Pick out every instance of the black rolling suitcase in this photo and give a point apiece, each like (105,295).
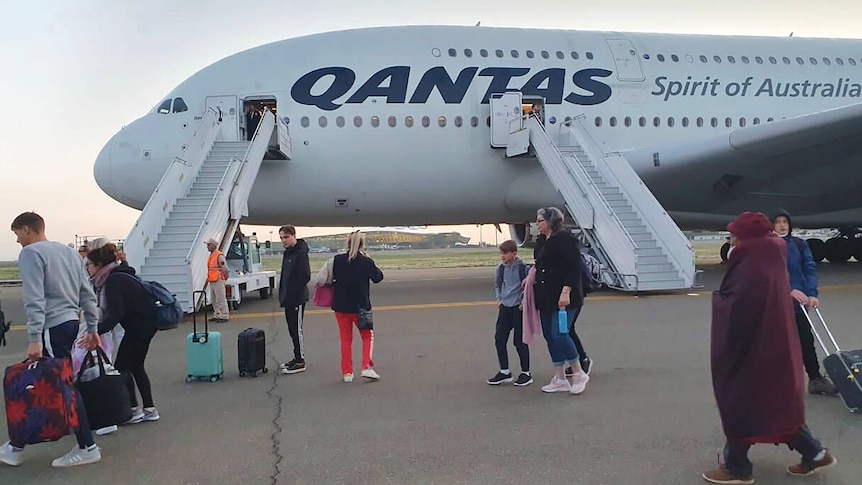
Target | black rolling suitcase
(251,352)
(843,366)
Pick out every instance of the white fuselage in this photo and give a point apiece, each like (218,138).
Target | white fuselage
(636,90)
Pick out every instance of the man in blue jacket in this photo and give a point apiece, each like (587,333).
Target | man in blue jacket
(803,284)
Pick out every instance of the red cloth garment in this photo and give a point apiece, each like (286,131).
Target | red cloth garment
(755,354)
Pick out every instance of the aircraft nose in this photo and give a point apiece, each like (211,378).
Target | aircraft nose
(102,169)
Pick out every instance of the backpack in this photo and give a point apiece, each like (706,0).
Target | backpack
(167,311)
(591,273)
(586,275)
(4,327)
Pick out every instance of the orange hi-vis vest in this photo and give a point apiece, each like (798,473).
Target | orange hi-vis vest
(214,271)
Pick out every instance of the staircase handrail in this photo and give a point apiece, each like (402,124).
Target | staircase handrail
(173,185)
(620,172)
(250,166)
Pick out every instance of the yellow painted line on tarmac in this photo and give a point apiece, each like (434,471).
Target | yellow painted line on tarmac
(466,304)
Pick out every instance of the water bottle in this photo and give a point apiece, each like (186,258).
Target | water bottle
(563,321)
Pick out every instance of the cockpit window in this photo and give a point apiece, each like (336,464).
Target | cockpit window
(165,107)
(180,105)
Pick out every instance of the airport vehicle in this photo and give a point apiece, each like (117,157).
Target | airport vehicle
(246,271)
(636,134)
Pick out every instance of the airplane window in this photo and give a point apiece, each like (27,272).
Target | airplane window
(699,122)
(772,60)
(452,53)
(742,122)
(357,121)
(641,121)
(731,59)
(545,55)
(717,59)
(671,122)
(598,121)
(769,120)
(628,121)
(468,53)
(458,121)
(703,59)
(375,121)
(785,60)
(180,105)
(514,53)
(756,121)
(304,122)
(408,121)
(728,122)
(745,60)
(339,121)
(801,61)
(852,61)
(426,121)
(813,61)
(660,57)
(322,121)
(685,121)
(483,52)
(674,58)
(575,55)
(656,121)
(714,122)
(530,54)
(165,107)
(560,55)
(613,121)
(498,53)
(758,60)
(474,122)
(393,121)
(441,121)
(590,55)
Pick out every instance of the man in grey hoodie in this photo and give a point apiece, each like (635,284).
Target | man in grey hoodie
(52,302)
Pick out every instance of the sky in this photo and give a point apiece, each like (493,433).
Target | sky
(75,72)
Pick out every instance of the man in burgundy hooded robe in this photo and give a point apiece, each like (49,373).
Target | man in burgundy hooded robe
(755,355)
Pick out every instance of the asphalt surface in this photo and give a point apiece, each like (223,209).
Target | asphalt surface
(648,415)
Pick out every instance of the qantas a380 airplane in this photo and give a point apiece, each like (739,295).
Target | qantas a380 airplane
(393,126)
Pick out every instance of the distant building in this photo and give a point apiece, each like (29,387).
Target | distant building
(390,239)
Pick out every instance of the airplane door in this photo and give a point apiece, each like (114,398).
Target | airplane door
(504,108)
(230,115)
(626,60)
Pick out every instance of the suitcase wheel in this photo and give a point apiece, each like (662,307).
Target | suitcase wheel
(213,378)
(188,379)
(265,370)
(242,374)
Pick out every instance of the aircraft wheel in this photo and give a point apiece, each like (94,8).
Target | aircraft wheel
(838,250)
(818,249)
(857,249)
(725,248)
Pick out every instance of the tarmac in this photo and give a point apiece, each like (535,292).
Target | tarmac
(648,415)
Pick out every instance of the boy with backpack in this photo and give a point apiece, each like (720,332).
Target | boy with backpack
(509,293)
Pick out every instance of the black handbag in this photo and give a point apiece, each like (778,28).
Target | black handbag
(106,397)
(366,320)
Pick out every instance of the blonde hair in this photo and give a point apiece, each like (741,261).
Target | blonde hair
(355,244)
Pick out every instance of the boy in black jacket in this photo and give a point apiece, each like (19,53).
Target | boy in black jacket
(293,293)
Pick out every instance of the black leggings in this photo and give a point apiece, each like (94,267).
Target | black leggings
(130,361)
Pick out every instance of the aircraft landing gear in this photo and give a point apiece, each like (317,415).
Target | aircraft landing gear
(837,249)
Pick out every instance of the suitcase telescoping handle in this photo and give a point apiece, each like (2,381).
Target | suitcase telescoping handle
(203,305)
(816,333)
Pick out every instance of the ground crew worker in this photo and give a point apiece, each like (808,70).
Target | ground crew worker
(216,275)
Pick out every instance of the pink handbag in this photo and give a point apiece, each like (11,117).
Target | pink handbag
(323,296)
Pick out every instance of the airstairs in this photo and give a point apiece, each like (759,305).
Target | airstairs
(640,247)
(203,194)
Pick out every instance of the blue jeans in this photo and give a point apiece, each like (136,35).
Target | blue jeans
(560,345)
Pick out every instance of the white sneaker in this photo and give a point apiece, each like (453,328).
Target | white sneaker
(557,385)
(137,416)
(10,456)
(579,382)
(106,430)
(370,374)
(78,457)
(348,377)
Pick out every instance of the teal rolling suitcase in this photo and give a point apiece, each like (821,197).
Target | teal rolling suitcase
(203,349)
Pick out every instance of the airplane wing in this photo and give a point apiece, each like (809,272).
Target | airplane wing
(808,164)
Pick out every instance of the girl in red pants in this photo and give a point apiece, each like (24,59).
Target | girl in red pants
(351,274)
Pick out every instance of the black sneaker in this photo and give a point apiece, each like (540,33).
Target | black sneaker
(569,372)
(500,378)
(586,365)
(288,364)
(293,368)
(524,379)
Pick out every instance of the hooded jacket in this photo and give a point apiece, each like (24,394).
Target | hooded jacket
(800,262)
(295,275)
(124,301)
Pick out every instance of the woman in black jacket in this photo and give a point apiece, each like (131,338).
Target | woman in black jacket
(351,292)
(558,287)
(123,300)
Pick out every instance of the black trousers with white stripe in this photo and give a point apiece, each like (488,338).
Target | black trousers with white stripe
(294,316)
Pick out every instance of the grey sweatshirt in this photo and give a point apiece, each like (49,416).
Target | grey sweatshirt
(56,288)
(509,291)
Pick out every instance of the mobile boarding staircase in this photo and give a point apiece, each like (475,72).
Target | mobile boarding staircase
(638,244)
(203,194)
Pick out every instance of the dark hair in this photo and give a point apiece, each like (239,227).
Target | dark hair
(553,216)
(288,229)
(105,255)
(508,247)
(29,219)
